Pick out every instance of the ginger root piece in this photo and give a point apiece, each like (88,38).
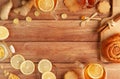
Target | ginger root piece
(23,2)
(5,10)
(23,10)
(70,75)
(6,73)
(104,7)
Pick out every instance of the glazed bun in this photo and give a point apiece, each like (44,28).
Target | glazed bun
(110,48)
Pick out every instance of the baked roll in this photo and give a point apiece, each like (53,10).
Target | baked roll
(110,48)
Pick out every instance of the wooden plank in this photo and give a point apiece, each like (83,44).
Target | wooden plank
(57,51)
(51,31)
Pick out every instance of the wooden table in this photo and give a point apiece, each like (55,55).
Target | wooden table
(63,42)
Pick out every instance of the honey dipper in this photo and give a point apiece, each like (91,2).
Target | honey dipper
(105,26)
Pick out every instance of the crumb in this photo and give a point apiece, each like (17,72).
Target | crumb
(16,21)
(1,67)
(28,19)
(36,13)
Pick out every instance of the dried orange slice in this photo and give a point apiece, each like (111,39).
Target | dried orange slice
(27,67)
(46,5)
(2,52)
(44,66)
(4,33)
(48,75)
(13,76)
(95,71)
(16,61)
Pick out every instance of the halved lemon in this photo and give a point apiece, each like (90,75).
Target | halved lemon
(16,61)
(46,5)
(27,67)
(44,66)
(95,71)
(48,75)
(4,33)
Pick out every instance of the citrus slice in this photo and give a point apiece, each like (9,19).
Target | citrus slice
(2,52)
(46,5)
(44,66)
(16,21)
(48,75)
(27,67)
(13,76)
(16,61)
(95,71)
(28,19)
(4,33)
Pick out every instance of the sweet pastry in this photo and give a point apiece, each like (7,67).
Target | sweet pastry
(110,48)
(104,7)
(70,75)
(74,5)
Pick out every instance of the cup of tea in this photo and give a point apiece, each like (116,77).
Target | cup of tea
(5,52)
(94,71)
(45,5)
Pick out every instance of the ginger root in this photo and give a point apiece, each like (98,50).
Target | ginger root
(23,10)
(5,10)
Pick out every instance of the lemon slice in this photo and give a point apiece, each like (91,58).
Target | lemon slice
(4,33)
(2,52)
(48,75)
(46,5)
(44,66)
(27,67)
(16,61)
(95,71)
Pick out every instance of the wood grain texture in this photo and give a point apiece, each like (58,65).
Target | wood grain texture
(57,51)
(51,31)
(63,42)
